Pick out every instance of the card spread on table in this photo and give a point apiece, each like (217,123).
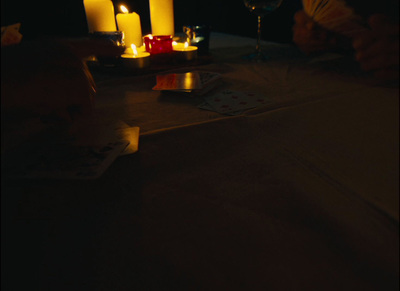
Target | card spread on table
(198,82)
(334,15)
(233,102)
(84,155)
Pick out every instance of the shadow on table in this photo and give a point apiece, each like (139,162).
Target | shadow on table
(52,239)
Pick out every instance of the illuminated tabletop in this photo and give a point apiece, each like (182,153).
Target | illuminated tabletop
(299,194)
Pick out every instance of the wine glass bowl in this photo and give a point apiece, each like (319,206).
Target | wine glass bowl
(260,8)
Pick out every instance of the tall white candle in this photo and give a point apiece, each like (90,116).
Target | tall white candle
(162,17)
(100,15)
(129,23)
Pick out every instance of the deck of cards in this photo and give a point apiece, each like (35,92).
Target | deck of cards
(197,82)
(226,102)
(334,15)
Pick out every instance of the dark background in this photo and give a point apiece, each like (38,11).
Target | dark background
(67,18)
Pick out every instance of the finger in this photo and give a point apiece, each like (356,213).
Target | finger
(301,17)
(313,48)
(300,33)
(379,48)
(383,25)
(58,117)
(88,47)
(380,62)
(310,25)
(387,74)
(89,77)
(102,47)
(85,102)
(363,41)
(377,20)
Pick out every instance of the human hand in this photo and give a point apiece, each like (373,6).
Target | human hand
(49,79)
(378,49)
(309,36)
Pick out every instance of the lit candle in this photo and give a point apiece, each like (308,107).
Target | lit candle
(158,44)
(100,15)
(135,59)
(129,23)
(162,17)
(185,51)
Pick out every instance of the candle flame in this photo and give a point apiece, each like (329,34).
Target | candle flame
(134,50)
(123,9)
(186,45)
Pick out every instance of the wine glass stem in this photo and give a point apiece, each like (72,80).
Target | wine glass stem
(258,46)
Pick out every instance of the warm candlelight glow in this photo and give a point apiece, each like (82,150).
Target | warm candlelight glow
(129,24)
(134,50)
(185,51)
(182,46)
(100,15)
(162,17)
(135,58)
(123,9)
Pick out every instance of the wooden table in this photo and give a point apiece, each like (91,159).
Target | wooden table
(300,194)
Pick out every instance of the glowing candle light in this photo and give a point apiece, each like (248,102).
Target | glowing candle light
(135,59)
(129,23)
(100,15)
(185,51)
(134,50)
(162,17)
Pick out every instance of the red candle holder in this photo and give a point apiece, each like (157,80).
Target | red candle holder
(158,44)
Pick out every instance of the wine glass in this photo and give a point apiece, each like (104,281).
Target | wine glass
(260,8)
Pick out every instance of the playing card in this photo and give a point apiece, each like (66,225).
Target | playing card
(178,82)
(334,15)
(197,82)
(233,102)
(97,131)
(207,78)
(63,160)
(208,81)
(223,102)
(130,134)
(85,152)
